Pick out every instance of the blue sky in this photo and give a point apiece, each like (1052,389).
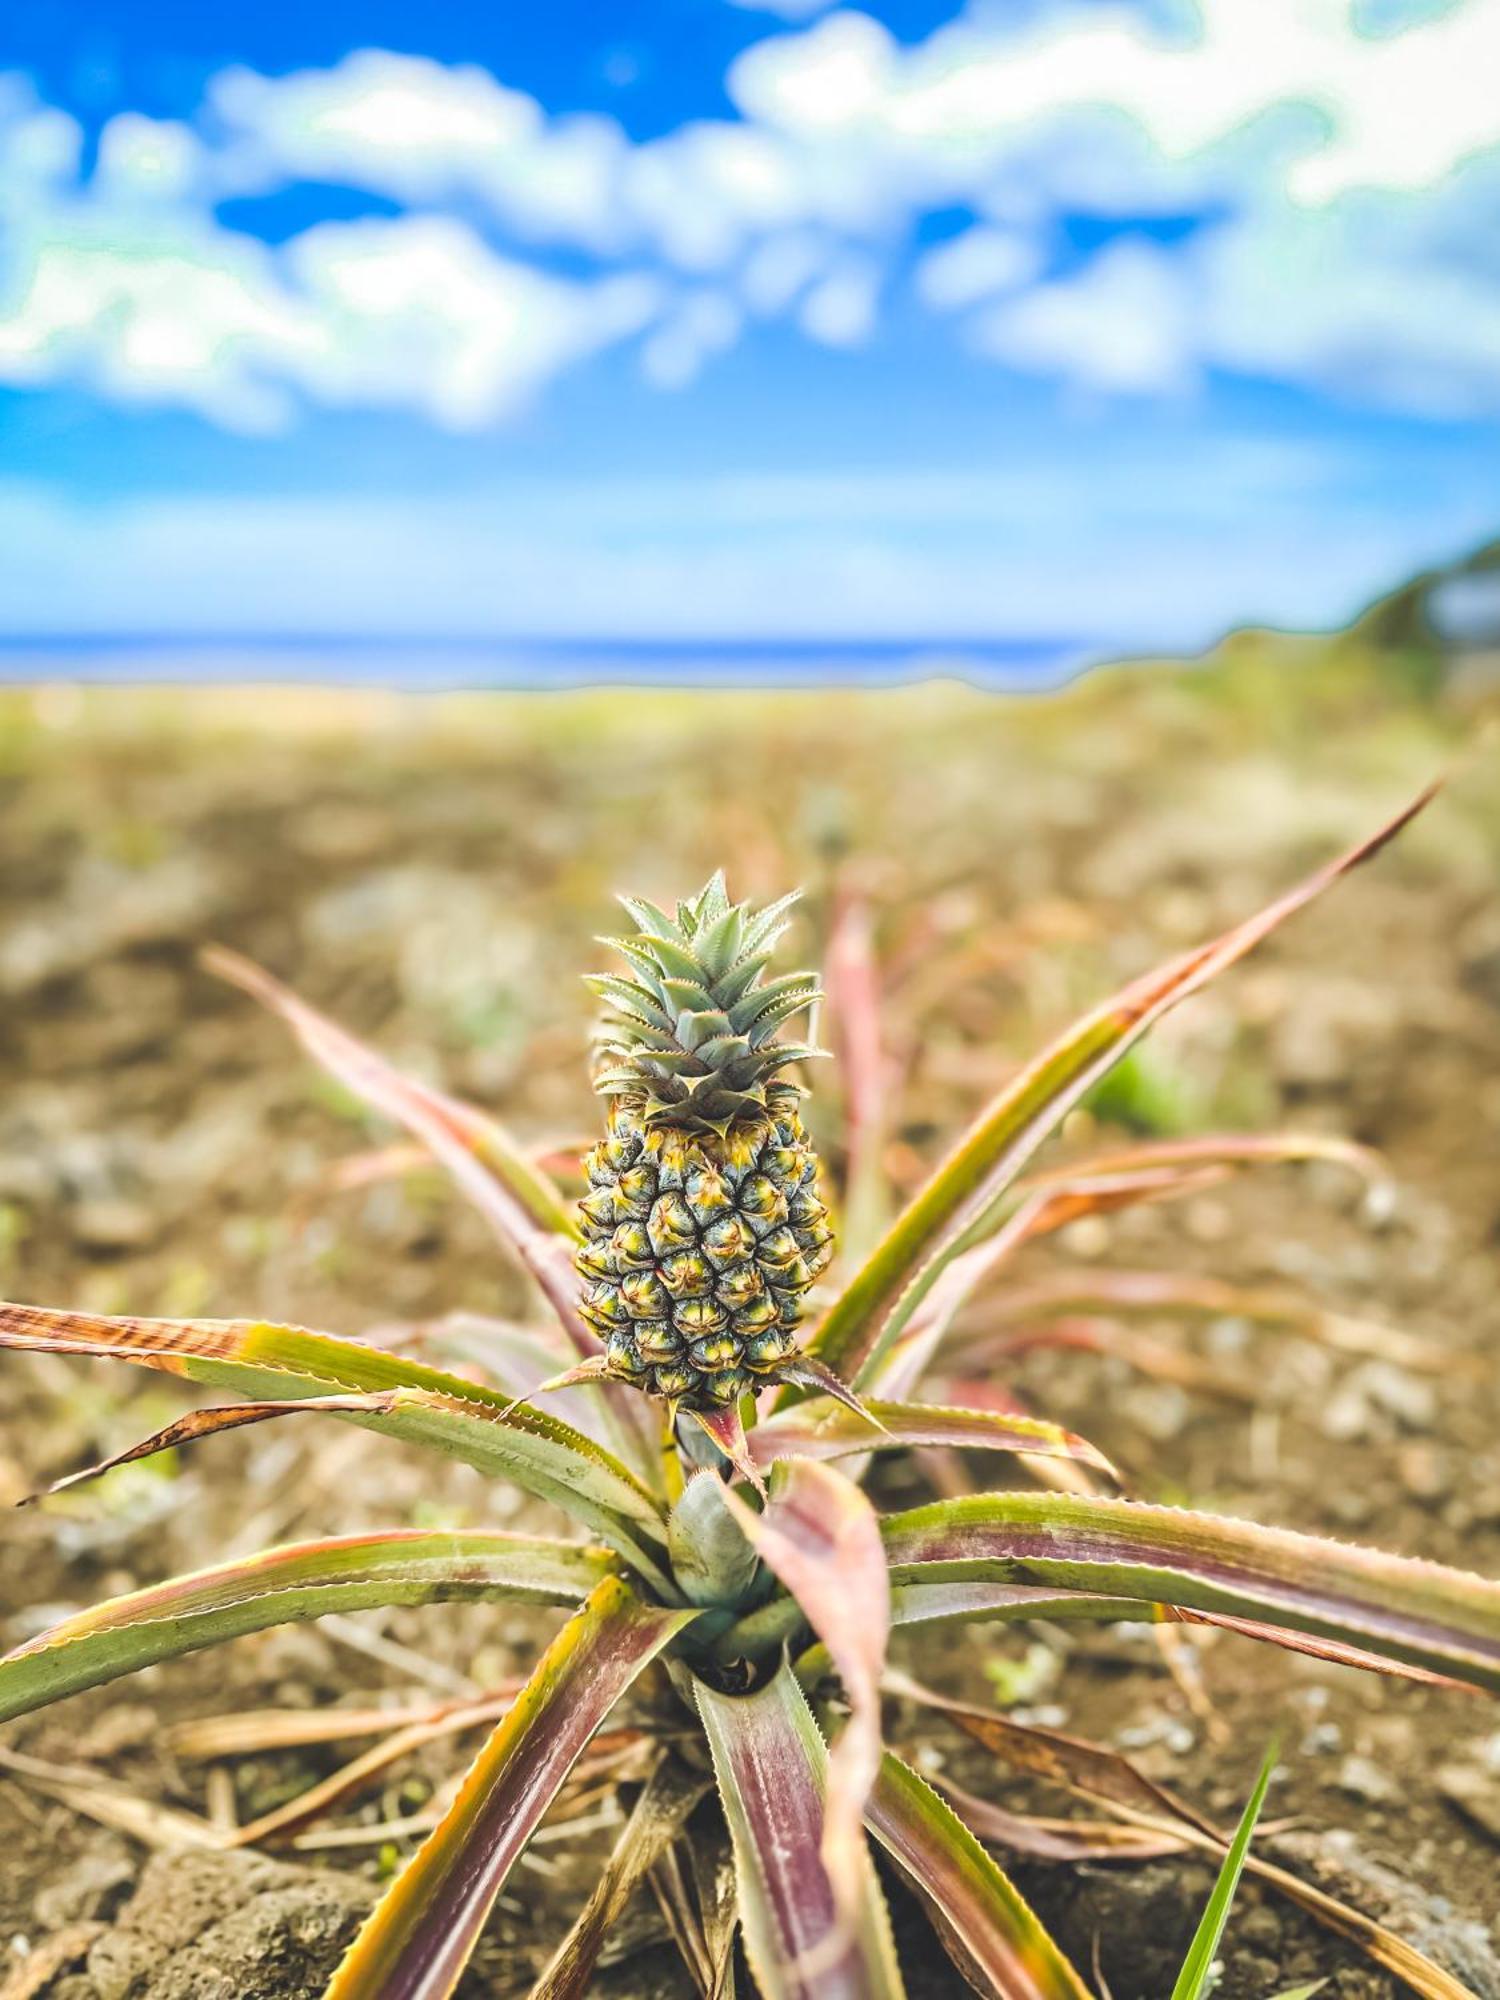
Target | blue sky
(698,320)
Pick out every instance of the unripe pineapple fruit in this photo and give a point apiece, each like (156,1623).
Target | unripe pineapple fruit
(703,1227)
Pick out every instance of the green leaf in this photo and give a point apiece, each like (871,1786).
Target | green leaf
(630,999)
(719,946)
(443,1412)
(1192,1981)
(297,1581)
(421,1934)
(738,980)
(987,1928)
(675,959)
(1359,1602)
(761,929)
(771,1766)
(647,917)
(822,1428)
(867,1316)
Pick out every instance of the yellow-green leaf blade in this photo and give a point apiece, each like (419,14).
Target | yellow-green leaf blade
(421,1934)
(1193,1980)
(821,1429)
(280,1585)
(863,1319)
(426,1406)
(987,1927)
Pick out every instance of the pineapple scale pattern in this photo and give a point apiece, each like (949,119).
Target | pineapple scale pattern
(698,1258)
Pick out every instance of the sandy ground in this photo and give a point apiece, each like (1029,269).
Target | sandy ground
(434,874)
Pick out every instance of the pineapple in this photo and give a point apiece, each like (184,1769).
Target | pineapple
(703,1226)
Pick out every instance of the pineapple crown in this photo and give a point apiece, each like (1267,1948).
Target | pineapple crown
(687,1032)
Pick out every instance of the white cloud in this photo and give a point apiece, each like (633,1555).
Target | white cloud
(420,131)
(1396,111)
(840,309)
(413,313)
(974,266)
(777,271)
(188,319)
(149,159)
(703,325)
(1344,183)
(1123,325)
(418,312)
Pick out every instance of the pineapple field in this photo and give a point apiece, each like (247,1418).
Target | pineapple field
(1257,1273)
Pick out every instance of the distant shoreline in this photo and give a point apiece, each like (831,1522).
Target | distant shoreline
(453,664)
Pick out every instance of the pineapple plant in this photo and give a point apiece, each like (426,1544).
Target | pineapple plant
(735,1551)
(703,1228)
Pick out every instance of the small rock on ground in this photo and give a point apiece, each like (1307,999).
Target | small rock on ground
(217,1927)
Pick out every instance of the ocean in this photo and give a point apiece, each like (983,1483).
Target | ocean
(447,663)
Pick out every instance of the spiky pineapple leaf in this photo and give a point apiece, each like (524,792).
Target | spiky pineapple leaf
(515,1196)
(424,1405)
(987,1928)
(868,1314)
(820,1537)
(1441,1620)
(517,1360)
(280,1585)
(762,929)
(822,1428)
(421,1934)
(771,1766)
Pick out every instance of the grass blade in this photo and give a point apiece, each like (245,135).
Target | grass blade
(1443,1620)
(421,1934)
(1192,1981)
(1093,1772)
(771,1766)
(864,1320)
(987,1928)
(280,1585)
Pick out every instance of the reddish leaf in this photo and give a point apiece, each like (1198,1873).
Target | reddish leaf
(206,1423)
(1443,1620)
(771,1766)
(522,1206)
(820,1537)
(728,1433)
